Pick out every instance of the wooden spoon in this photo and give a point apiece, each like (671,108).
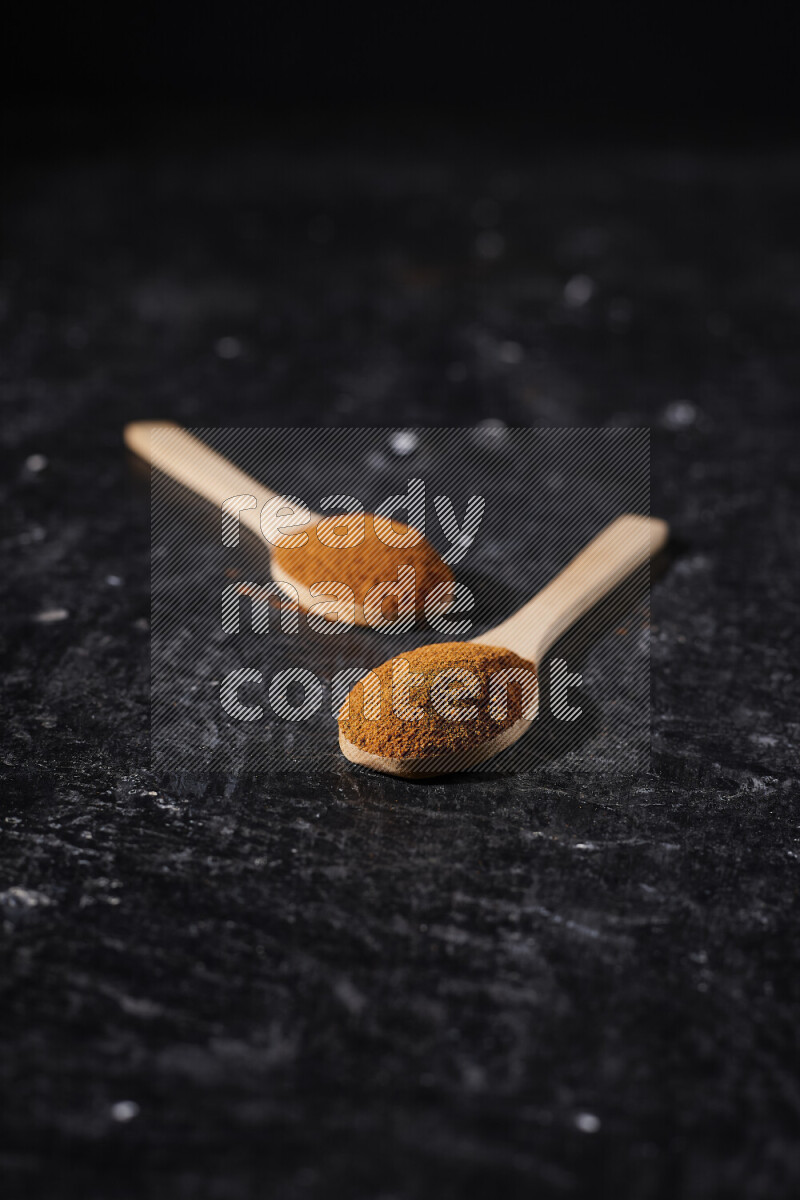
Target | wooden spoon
(195,465)
(622,547)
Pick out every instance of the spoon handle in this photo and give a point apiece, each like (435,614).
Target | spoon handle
(191,462)
(622,547)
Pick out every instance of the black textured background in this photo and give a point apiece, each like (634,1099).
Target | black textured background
(344,985)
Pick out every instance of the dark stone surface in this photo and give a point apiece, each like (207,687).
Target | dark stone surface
(344,985)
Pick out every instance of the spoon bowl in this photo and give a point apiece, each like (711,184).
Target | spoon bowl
(427,766)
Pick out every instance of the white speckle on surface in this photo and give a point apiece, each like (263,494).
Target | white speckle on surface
(142,624)
(510,353)
(349,995)
(49,615)
(124,1110)
(403,441)
(139,1006)
(35,534)
(679,415)
(114,580)
(22,898)
(587,1122)
(578,291)
(693,564)
(490,245)
(491,432)
(228,347)
(35,463)
(473,1077)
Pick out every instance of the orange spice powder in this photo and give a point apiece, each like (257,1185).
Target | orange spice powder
(365,565)
(393,736)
